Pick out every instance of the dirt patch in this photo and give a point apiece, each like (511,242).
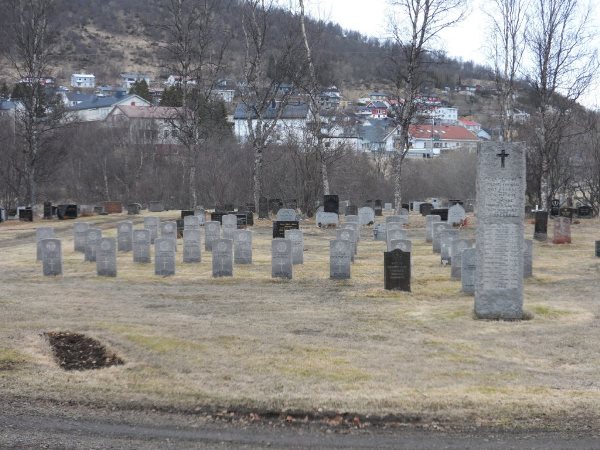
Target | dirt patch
(74,351)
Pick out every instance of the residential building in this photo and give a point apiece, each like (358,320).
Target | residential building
(105,91)
(378,110)
(291,122)
(470,125)
(175,80)
(433,140)
(129,78)
(146,124)
(98,108)
(83,80)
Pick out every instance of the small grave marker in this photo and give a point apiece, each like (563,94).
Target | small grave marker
(164,256)
(281,258)
(212,232)
(222,258)
(397,270)
(124,236)
(51,257)
(192,246)
(297,238)
(340,257)
(106,258)
(92,240)
(242,247)
(141,246)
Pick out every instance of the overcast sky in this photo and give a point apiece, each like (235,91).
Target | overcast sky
(466,40)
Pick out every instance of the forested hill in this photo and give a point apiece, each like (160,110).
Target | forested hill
(110,37)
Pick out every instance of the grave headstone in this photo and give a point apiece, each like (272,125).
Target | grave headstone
(366,215)
(275,205)
(458,245)
(585,212)
(425,209)
(297,238)
(164,256)
(191,245)
(429,220)
(326,219)
(404,212)
(400,244)
(352,219)
(242,247)
(106,258)
(281,258)
(212,232)
(403,220)
(80,235)
(378,208)
(540,232)
(168,230)
(286,214)
(133,209)
(191,223)
(597,249)
(141,246)
(47,210)
(201,215)
(347,234)
(331,204)
(397,270)
(387,207)
(26,214)
(380,232)
(112,207)
(152,224)
(554,207)
(180,225)
(406,206)
(356,227)
(437,228)
(40,234)
(263,208)
(52,261)
(528,258)
(456,215)
(124,236)
(340,259)
(394,234)
(96,211)
(229,225)
(92,239)
(351,210)
(156,206)
(468,269)
(186,212)
(222,258)
(562,230)
(567,212)
(66,212)
(280,227)
(442,212)
(446,238)
(500,223)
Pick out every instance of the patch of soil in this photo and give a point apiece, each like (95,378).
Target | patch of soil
(75,351)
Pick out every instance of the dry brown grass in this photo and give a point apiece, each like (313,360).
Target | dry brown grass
(309,342)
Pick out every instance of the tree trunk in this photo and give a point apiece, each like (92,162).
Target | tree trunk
(192,186)
(397,174)
(257,177)
(324,175)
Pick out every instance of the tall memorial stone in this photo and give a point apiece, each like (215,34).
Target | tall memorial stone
(229,225)
(106,258)
(42,233)
(212,232)
(141,246)
(124,236)
(80,235)
(500,216)
(561,230)
(281,258)
(297,238)
(540,231)
(164,256)
(152,224)
(263,208)
(168,230)
(51,257)
(92,240)
(429,220)
(191,245)
(222,258)
(396,266)
(447,236)
(242,247)
(437,228)
(340,259)
(467,270)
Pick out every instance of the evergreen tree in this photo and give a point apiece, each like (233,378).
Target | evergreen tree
(172,96)
(141,88)
(4,91)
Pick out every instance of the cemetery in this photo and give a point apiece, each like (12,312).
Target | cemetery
(286,314)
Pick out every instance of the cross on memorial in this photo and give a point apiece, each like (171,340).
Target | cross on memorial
(503,155)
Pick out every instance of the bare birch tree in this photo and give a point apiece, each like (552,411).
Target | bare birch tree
(416,25)
(508,19)
(564,62)
(31,48)
(263,102)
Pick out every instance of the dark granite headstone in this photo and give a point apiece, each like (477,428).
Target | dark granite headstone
(250,207)
(397,270)
(442,212)
(47,210)
(279,227)
(378,208)
(331,204)
(540,232)
(275,205)
(455,202)
(406,206)
(67,212)
(584,211)
(133,209)
(425,209)
(186,212)
(555,207)
(291,203)
(263,208)
(26,215)
(598,249)
(567,212)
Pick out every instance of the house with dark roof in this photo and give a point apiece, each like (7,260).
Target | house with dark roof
(291,121)
(98,108)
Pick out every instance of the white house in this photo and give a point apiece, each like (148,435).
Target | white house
(83,80)
(129,78)
(292,121)
(99,107)
(432,140)
(175,80)
(446,115)
(146,124)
